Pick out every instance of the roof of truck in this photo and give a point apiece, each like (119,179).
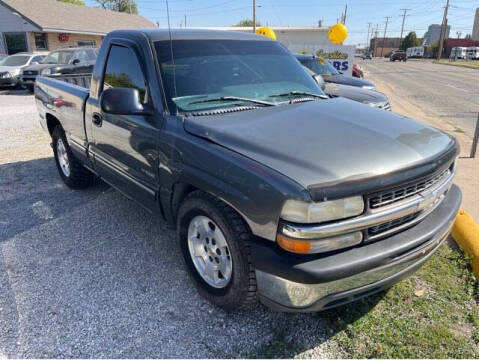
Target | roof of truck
(195,34)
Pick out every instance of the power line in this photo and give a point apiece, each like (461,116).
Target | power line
(385,30)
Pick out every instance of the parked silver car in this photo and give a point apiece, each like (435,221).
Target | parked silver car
(11,67)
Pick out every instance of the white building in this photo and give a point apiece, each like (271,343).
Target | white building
(434,33)
(294,38)
(475,28)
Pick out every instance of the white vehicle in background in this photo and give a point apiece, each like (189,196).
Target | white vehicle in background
(472,53)
(458,53)
(415,52)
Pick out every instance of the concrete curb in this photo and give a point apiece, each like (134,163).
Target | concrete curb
(465,232)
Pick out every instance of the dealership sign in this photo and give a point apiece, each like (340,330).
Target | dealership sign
(340,56)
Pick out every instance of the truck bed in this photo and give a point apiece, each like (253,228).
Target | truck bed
(63,97)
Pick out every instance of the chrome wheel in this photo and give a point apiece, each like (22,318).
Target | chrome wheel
(63,158)
(209,251)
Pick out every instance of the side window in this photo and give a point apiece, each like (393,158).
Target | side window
(91,55)
(81,55)
(123,70)
(37,58)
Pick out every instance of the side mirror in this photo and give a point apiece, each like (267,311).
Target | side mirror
(76,61)
(122,101)
(320,81)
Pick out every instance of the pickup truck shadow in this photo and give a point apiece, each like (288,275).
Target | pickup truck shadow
(91,274)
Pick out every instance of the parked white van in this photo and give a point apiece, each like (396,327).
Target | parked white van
(415,52)
(458,52)
(472,53)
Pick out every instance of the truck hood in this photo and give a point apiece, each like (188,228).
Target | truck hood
(39,67)
(355,93)
(10,68)
(324,142)
(347,80)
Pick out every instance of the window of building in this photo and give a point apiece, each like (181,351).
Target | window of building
(15,42)
(41,41)
(86,43)
(123,70)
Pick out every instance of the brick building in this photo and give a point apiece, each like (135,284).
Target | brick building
(46,25)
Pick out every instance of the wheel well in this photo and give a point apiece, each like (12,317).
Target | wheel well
(52,122)
(180,191)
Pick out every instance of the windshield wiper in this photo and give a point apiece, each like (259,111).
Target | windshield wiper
(300,93)
(233,98)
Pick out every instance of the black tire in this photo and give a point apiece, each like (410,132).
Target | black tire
(79,177)
(241,289)
(30,88)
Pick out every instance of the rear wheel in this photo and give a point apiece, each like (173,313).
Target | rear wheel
(214,241)
(72,172)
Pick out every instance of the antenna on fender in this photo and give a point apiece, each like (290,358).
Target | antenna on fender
(171,50)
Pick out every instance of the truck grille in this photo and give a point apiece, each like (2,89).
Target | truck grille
(378,229)
(396,194)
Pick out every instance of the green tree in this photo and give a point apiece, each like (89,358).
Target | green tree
(433,47)
(410,40)
(127,6)
(247,23)
(468,36)
(75,2)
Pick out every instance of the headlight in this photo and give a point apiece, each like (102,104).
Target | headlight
(307,213)
(46,71)
(369,87)
(371,104)
(5,75)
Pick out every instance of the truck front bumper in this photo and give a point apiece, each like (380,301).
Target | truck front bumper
(296,283)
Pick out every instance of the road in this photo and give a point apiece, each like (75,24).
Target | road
(448,92)
(91,274)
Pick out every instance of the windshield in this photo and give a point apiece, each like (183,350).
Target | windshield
(58,57)
(319,66)
(215,69)
(16,60)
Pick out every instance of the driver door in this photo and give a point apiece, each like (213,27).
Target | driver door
(125,147)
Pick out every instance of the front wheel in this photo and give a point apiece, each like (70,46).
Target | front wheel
(72,172)
(214,240)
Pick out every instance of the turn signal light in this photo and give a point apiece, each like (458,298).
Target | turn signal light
(295,246)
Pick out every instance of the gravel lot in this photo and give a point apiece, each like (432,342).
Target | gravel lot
(91,274)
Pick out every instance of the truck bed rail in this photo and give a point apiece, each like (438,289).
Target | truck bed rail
(82,80)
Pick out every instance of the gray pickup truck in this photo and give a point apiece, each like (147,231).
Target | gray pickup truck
(275,190)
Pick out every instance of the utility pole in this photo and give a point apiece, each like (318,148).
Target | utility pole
(367,39)
(185,20)
(375,41)
(403,19)
(254,16)
(385,30)
(443,31)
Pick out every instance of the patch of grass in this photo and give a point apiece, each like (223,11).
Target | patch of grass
(462,63)
(433,314)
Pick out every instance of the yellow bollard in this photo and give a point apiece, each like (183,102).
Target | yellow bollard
(465,232)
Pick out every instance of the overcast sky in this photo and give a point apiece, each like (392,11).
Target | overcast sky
(308,12)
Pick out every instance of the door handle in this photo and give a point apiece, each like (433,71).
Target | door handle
(97,119)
